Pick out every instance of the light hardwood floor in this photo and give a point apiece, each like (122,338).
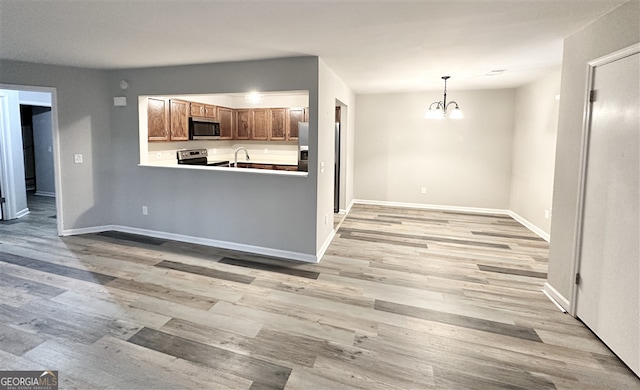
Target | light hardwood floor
(403,299)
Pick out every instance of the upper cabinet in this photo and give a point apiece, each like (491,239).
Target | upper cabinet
(203,110)
(168,119)
(261,124)
(158,119)
(278,118)
(295,115)
(210,111)
(225,117)
(179,119)
(243,124)
(197,109)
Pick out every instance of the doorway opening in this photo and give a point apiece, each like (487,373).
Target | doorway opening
(29,176)
(340,158)
(336,183)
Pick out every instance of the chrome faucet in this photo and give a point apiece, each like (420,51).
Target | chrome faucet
(235,157)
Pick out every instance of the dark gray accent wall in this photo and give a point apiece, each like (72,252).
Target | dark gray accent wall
(275,212)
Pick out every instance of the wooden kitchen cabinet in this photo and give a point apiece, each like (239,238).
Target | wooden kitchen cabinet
(179,120)
(278,128)
(210,111)
(243,124)
(289,168)
(168,120)
(201,110)
(225,117)
(197,110)
(295,115)
(261,124)
(158,119)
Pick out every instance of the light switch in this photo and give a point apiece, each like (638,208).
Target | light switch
(77,158)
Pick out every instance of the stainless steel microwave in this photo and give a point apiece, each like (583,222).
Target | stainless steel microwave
(204,128)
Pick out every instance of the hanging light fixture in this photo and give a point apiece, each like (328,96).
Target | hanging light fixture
(438,110)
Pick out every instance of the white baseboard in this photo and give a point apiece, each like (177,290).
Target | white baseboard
(349,206)
(544,235)
(477,210)
(289,255)
(22,213)
(555,297)
(45,193)
(325,246)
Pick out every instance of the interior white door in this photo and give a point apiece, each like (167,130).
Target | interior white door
(608,299)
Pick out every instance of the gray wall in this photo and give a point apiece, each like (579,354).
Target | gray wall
(83,122)
(464,163)
(268,211)
(614,31)
(43,146)
(534,147)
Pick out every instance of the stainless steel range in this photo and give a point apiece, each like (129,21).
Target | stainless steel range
(197,157)
(192,157)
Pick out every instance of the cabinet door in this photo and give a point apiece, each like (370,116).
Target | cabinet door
(210,112)
(295,115)
(179,119)
(225,117)
(158,119)
(197,109)
(243,124)
(278,126)
(260,124)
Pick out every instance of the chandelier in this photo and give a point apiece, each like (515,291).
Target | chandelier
(438,110)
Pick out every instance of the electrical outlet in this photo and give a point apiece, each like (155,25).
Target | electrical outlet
(77,158)
(145,210)
(423,190)
(326,219)
(547,214)
(266,150)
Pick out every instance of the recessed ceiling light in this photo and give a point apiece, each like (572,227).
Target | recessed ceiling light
(496,72)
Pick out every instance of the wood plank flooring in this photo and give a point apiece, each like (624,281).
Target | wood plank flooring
(403,299)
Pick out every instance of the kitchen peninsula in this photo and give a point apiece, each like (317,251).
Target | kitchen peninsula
(215,127)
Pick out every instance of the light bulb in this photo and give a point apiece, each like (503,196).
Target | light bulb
(456,113)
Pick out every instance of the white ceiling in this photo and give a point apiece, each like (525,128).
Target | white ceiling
(374,46)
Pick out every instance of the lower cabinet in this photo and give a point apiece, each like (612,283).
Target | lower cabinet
(275,167)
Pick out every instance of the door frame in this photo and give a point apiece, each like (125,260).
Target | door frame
(584,158)
(57,166)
